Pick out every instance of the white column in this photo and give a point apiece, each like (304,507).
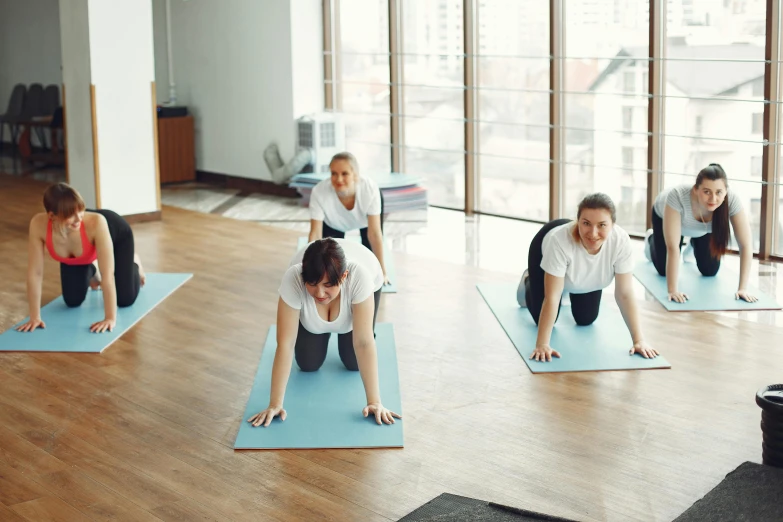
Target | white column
(75,48)
(120,171)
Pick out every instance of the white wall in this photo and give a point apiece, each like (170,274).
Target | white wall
(234,67)
(75,30)
(122,70)
(29,45)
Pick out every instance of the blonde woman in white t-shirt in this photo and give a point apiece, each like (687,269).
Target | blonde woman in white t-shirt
(345,202)
(332,286)
(582,258)
(702,212)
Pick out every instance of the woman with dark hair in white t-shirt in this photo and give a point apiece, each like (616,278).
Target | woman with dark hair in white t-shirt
(332,286)
(581,258)
(345,202)
(701,212)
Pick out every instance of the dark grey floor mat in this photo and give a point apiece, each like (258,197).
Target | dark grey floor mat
(752,492)
(453,508)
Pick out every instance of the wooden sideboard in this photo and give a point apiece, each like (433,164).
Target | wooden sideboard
(177,149)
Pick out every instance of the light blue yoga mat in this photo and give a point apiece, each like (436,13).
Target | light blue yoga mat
(388,260)
(324,407)
(68,329)
(705,293)
(601,346)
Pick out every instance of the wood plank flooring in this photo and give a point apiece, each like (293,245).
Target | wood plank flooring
(145,430)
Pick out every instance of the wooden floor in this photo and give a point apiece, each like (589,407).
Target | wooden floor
(145,430)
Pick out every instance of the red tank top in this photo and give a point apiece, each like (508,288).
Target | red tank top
(89,253)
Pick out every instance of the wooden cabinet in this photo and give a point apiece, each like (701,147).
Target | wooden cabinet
(177,149)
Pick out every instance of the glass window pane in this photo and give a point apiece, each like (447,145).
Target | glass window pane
(364,81)
(777,228)
(513,108)
(714,106)
(606,75)
(433,95)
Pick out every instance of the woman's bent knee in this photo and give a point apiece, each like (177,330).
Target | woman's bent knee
(308,364)
(585,319)
(73,302)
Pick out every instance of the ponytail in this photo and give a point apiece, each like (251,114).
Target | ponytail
(719,239)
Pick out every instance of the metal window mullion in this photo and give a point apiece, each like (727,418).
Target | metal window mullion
(337,61)
(655,103)
(329,55)
(396,62)
(470,99)
(556,106)
(770,153)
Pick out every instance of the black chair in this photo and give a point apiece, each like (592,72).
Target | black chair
(13,114)
(51,100)
(34,109)
(33,103)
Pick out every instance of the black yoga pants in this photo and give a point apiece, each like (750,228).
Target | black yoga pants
(75,279)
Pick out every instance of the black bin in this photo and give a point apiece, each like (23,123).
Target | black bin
(770,400)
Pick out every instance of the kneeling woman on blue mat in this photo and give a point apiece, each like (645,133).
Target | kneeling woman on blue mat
(332,286)
(95,249)
(702,211)
(582,258)
(345,202)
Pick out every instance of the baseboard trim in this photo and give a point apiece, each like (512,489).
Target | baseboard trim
(145,217)
(246,184)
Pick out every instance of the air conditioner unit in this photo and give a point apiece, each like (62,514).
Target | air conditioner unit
(324,134)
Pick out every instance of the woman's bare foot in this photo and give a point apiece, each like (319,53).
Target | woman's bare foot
(95,281)
(142,275)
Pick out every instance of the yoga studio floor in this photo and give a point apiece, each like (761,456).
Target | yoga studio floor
(145,430)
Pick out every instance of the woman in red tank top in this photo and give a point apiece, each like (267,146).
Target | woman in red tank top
(94,248)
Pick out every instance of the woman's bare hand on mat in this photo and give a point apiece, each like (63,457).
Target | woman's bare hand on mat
(266,416)
(386,281)
(382,415)
(745,296)
(644,349)
(678,297)
(31,325)
(544,353)
(102,326)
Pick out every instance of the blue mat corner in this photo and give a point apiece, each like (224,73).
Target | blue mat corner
(325,407)
(706,294)
(601,346)
(68,329)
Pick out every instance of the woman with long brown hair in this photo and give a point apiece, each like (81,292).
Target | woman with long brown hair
(703,212)
(95,249)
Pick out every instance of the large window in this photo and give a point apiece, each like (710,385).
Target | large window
(715,76)
(777,190)
(606,71)
(513,108)
(363,81)
(711,106)
(433,93)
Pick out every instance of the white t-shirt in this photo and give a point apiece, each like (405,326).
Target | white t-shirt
(583,273)
(364,277)
(326,206)
(679,198)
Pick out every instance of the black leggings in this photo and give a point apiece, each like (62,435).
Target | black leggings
(310,348)
(584,307)
(75,279)
(337,234)
(708,265)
